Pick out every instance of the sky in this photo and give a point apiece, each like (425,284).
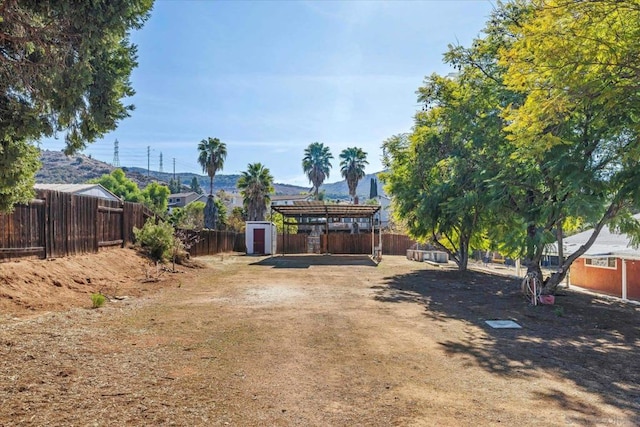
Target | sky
(270,77)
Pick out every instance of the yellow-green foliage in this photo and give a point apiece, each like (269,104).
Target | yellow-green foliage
(97,300)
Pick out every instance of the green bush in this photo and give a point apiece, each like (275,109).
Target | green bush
(97,300)
(156,239)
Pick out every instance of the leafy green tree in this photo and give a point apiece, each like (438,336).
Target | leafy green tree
(195,186)
(175,186)
(221,220)
(316,164)
(156,197)
(433,173)
(190,217)
(445,176)
(236,220)
(212,154)
(64,67)
(352,164)
(577,65)
(290,225)
(118,183)
(19,162)
(256,184)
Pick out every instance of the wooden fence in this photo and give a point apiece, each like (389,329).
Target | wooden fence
(58,224)
(211,242)
(343,243)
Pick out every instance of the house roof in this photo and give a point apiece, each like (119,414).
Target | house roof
(95,190)
(290,197)
(608,243)
(317,209)
(191,193)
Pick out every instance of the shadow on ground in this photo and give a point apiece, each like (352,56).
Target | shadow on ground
(592,341)
(306,261)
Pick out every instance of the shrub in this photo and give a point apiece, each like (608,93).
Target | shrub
(97,300)
(156,239)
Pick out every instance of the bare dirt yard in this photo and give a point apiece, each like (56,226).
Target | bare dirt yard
(308,340)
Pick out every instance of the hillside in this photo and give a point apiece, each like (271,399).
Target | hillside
(60,169)
(78,169)
(340,189)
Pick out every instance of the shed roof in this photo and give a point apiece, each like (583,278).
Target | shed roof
(317,209)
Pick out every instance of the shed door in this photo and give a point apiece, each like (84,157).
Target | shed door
(258,240)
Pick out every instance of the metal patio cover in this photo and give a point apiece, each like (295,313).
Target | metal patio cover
(321,210)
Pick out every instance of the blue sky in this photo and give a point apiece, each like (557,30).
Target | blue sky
(269,78)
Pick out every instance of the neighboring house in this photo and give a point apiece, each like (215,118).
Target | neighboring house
(92,190)
(610,266)
(180,200)
(290,199)
(230,199)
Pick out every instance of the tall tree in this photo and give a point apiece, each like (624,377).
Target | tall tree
(211,156)
(195,185)
(438,173)
(316,164)
(256,184)
(64,67)
(578,65)
(352,164)
(175,186)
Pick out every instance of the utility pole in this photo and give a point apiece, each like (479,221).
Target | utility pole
(148,160)
(116,159)
(174,168)
(161,162)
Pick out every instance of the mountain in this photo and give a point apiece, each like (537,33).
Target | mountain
(57,168)
(340,189)
(220,182)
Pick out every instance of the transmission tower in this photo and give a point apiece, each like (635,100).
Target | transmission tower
(116,159)
(161,162)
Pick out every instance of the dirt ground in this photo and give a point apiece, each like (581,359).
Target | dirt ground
(309,340)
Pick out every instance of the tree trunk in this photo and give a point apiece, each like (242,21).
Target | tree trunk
(556,278)
(464,254)
(210,214)
(461,258)
(559,238)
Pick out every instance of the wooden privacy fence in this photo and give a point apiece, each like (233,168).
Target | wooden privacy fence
(211,242)
(58,224)
(343,243)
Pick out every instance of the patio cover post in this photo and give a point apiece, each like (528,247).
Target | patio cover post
(326,227)
(380,236)
(373,237)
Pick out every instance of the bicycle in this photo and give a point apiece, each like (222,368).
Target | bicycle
(532,287)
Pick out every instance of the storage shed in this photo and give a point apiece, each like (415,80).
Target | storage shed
(261,238)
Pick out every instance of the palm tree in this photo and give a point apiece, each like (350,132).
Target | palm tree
(211,157)
(316,163)
(352,163)
(256,184)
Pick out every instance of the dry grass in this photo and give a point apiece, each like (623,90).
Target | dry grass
(320,341)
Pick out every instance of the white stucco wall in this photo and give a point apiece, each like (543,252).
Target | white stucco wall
(270,236)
